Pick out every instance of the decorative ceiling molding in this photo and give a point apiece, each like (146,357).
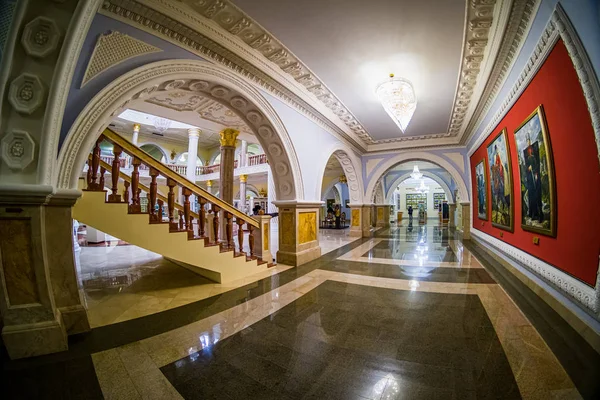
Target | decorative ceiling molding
(519,24)
(233,39)
(479,20)
(167,25)
(114,48)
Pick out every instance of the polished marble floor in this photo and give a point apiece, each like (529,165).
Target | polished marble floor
(119,283)
(364,321)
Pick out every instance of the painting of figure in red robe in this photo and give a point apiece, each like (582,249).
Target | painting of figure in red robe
(536,172)
(501,182)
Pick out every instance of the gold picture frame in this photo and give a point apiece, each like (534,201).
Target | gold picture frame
(486,212)
(537,181)
(502,210)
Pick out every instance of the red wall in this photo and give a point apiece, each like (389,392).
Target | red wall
(577,244)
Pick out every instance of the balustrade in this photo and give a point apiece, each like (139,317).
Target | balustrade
(184,221)
(257,159)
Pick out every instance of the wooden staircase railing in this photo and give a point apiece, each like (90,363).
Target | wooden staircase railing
(131,195)
(145,189)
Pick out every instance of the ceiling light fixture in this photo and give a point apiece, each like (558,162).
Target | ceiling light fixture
(398,98)
(422,188)
(162,124)
(416,174)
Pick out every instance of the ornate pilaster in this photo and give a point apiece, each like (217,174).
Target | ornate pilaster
(298,232)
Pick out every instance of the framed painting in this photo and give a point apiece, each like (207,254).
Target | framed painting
(501,182)
(481,181)
(536,173)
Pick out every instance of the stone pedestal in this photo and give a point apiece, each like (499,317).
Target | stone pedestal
(451,222)
(262,238)
(298,232)
(39,295)
(382,215)
(356,220)
(466,220)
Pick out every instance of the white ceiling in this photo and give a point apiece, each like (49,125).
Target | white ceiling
(352,45)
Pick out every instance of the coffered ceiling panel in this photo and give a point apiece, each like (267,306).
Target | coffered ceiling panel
(352,45)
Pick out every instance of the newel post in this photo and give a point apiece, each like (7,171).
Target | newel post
(261,236)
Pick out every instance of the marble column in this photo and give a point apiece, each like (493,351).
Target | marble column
(228,139)
(39,295)
(299,232)
(466,220)
(193,136)
(242,205)
(244,154)
(271,194)
(209,184)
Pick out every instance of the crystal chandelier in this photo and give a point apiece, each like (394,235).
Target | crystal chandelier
(399,100)
(416,174)
(422,188)
(161,124)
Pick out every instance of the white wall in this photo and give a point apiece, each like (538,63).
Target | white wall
(311,143)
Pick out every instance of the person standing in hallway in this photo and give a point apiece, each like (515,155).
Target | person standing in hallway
(410,212)
(337,217)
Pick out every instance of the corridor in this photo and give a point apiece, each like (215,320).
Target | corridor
(411,313)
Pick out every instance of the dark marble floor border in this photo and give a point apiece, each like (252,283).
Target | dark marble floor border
(578,358)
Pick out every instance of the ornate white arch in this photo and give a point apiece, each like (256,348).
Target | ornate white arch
(351,166)
(416,156)
(207,79)
(428,174)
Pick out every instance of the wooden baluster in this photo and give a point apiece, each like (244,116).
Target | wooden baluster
(126,192)
(216,223)
(153,189)
(89,175)
(171,203)
(240,223)
(191,227)
(95,164)
(115,197)
(186,208)
(101,184)
(251,239)
(229,230)
(135,181)
(180,221)
(202,214)
(159,215)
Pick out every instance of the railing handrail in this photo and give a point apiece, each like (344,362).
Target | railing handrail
(165,171)
(145,188)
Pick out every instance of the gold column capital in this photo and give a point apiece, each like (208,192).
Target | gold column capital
(228,137)
(194,132)
(136,127)
(243,178)
(209,183)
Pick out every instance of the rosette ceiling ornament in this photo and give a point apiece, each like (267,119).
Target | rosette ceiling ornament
(397,95)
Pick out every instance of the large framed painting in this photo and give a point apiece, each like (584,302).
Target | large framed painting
(536,172)
(501,182)
(481,180)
